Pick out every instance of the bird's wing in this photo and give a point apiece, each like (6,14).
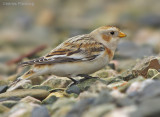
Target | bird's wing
(79,48)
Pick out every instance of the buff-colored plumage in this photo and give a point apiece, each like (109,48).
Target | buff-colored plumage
(82,54)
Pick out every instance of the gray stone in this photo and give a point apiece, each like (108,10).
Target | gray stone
(3,88)
(9,103)
(99,111)
(83,85)
(10,98)
(121,102)
(148,108)
(30,99)
(40,112)
(81,106)
(22,110)
(73,89)
(103,98)
(49,100)
(149,91)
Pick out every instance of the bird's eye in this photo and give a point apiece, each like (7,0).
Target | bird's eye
(112,32)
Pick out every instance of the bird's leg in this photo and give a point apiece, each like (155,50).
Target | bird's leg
(74,81)
(85,76)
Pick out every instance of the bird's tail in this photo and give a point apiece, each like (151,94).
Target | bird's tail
(21,80)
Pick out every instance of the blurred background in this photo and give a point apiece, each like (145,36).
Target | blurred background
(30,29)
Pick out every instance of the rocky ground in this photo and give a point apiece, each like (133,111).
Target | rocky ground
(133,93)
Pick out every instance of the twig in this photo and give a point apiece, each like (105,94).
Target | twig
(31,53)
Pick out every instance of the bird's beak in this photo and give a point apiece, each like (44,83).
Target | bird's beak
(121,34)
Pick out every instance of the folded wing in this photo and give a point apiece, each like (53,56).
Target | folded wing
(79,48)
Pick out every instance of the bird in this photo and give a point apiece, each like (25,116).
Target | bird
(77,56)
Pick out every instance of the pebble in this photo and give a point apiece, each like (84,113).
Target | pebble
(30,99)
(3,88)
(3,109)
(9,103)
(49,99)
(56,82)
(40,112)
(21,93)
(47,88)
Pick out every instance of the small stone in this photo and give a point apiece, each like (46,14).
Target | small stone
(122,112)
(49,99)
(38,80)
(137,87)
(3,88)
(103,98)
(147,108)
(87,94)
(30,99)
(97,87)
(157,76)
(3,109)
(83,85)
(61,107)
(56,82)
(22,110)
(81,106)
(151,73)
(121,102)
(105,73)
(124,87)
(21,93)
(116,85)
(112,80)
(117,94)
(58,94)
(55,94)
(150,90)
(134,87)
(73,89)
(40,112)
(9,103)
(142,67)
(47,88)
(99,111)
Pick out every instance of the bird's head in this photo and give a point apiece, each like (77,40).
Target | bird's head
(108,35)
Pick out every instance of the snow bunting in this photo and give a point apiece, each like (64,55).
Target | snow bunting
(78,56)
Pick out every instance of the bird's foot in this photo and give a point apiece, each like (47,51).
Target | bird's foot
(85,76)
(74,81)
